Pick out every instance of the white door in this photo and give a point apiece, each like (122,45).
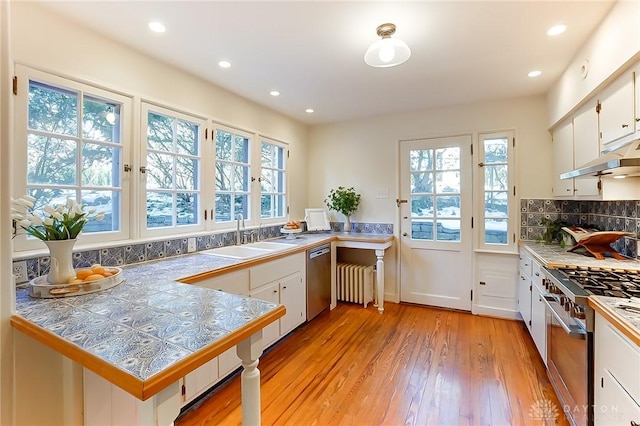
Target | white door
(435,226)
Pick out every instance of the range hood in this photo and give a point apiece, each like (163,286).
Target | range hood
(621,160)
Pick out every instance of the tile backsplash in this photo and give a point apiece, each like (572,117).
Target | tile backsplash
(136,253)
(602,215)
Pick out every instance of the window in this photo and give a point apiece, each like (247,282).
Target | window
(497,200)
(435,194)
(232,176)
(172,155)
(272,181)
(74,146)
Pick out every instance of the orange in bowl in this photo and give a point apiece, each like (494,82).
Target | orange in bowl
(94,277)
(83,273)
(98,269)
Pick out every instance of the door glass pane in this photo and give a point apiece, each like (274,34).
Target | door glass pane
(448,206)
(241,178)
(447,182)
(241,149)
(422,182)
(495,150)
(495,231)
(496,178)
(266,204)
(448,230)
(159,209)
(265,181)
(421,159)
(421,206)
(422,229)
(51,160)
(187,138)
(448,158)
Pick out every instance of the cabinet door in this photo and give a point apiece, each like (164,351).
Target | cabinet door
(200,379)
(586,148)
(538,324)
(270,293)
(236,282)
(616,115)
(524,299)
(293,297)
(613,405)
(563,159)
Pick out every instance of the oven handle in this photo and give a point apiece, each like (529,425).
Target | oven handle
(572,330)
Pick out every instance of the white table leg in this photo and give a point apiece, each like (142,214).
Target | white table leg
(380,279)
(249,352)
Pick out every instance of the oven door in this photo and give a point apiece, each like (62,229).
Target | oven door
(568,363)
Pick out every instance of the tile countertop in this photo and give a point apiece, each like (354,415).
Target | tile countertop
(554,256)
(151,330)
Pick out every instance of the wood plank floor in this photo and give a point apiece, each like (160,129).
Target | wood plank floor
(413,365)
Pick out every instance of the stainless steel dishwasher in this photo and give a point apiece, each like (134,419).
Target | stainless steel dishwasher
(318,280)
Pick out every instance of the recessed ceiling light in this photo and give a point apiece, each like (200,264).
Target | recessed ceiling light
(309,110)
(535,73)
(556,29)
(224,64)
(157,27)
(274,93)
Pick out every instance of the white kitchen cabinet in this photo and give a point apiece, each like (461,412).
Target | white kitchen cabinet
(524,288)
(293,297)
(538,321)
(562,159)
(199,380)
(586,148)
(236,282)
(617,117)
(616,375)
(270,293)
(636,72)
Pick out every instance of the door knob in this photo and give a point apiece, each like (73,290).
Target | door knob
(404,234)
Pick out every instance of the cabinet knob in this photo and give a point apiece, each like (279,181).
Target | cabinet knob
(634,423)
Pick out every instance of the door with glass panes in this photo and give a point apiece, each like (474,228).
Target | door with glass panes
(435,226)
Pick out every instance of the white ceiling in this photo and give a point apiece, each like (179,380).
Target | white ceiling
(312,52)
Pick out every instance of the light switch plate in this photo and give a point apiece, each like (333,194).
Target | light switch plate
(191,245)
(382,193)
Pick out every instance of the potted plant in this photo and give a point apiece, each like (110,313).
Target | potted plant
(345,201)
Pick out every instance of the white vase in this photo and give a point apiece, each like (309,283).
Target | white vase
(61,263)
(347,223)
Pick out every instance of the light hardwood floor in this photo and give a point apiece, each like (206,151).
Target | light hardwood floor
(413,365)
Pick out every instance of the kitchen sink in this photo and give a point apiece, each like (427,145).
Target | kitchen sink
(268,245)
(237,252)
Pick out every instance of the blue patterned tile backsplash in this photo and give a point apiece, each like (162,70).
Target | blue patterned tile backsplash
(137,253)
(601,215)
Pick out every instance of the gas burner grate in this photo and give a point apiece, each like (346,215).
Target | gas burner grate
(605,283)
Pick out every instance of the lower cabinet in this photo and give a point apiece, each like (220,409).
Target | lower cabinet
(530,301)
(538,321)
(617,376)
(286,286)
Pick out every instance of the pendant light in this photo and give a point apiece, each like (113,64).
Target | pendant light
(387,52)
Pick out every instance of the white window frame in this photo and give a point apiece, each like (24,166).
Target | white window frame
(202,185)
(285,171)
(512,211)
(25,75)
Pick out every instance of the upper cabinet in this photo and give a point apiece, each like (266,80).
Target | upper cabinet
(617,109)
(562,159)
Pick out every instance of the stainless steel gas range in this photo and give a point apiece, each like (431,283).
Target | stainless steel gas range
(570,324)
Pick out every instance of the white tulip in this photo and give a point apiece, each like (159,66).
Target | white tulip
(23,203)
(92,211)
(100,216)
(29,198)
(35,219)
(16,216)
(77,210)
(24,223)
(57,215)
(48,221)
(48,209)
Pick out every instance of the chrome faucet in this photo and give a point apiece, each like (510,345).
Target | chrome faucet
(239,218)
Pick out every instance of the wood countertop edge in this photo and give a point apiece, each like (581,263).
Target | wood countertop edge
(616,320)
(143,389)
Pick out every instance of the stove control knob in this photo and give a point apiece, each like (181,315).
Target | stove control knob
(568,306)
(579,312)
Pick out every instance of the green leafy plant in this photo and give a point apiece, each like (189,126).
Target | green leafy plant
(343,200)
(553,230)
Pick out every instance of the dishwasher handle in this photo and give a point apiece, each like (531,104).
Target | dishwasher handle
(319,252)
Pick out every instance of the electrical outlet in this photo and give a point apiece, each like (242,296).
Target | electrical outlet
(20,271)
(191,245)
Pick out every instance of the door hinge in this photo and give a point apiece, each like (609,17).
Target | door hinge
(514,190)
(471,295)
(287,209)
(471,149)
(206,134)
(288,153)
(205,214)
(514,237)
(598,107)
(471,222)
(529,322)
(183,390)
(513,142)
(530,288)
(15,85)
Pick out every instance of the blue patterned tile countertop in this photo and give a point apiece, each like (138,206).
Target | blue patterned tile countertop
(552,255)
(626,321)
(150,323)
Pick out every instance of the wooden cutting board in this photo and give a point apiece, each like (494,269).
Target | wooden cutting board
(599,243)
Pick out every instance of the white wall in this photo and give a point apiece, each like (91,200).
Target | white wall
(364,154)
(46,41)
(614,44)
